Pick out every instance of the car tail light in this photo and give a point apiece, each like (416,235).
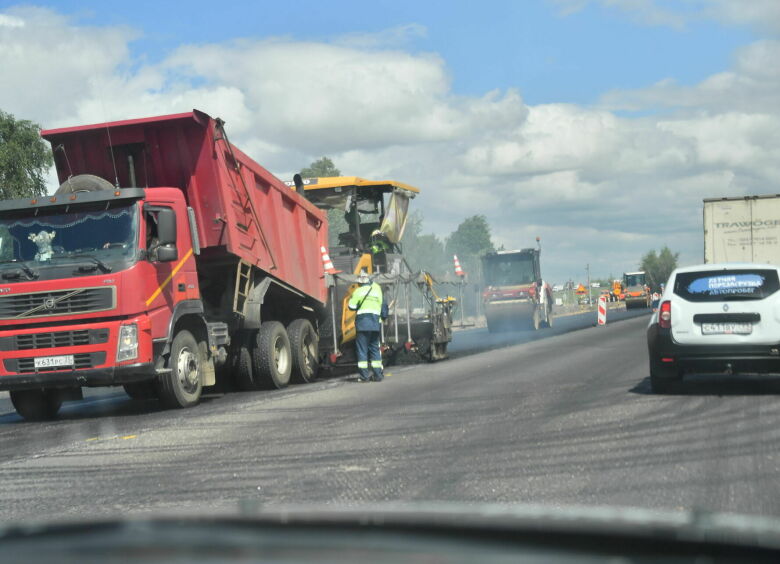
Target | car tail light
(665,315)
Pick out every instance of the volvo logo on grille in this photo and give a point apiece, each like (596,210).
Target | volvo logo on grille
(725,307)
(49,303)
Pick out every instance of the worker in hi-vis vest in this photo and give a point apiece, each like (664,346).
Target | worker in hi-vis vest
(368,302)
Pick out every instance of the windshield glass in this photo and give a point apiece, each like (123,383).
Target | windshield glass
(509,271)
(635,280)
(54,238)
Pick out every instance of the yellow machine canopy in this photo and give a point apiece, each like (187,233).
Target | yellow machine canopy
(368,205)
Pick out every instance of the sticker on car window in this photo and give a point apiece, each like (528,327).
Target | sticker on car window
(728,284)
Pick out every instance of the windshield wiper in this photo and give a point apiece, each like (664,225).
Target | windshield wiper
(12,274)
(89,268)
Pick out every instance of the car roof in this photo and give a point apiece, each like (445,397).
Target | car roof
(725,266)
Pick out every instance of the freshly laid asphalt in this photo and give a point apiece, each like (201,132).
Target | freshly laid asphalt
(563,416)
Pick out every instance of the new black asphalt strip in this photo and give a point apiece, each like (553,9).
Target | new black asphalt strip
(558,417)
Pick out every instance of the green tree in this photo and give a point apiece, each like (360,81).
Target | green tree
(324,168)
(658,266)
(24,158)
(321,168)
(470,241)
(471,238)
(423,251)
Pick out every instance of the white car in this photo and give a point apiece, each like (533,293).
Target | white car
(715,318)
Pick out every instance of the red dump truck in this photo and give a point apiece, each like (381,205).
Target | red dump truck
(189,260)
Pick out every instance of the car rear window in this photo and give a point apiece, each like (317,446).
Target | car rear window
(726,285)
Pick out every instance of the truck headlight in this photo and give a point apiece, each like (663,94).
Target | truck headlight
(128,343)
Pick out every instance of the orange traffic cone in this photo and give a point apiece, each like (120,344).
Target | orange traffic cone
(458,269)
(327,263)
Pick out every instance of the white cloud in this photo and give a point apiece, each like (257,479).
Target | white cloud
(48,66)
(646,12)
(393,37)
(10,21)
(598,187)
(763,15)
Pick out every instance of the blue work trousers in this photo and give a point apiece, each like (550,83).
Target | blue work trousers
(368,354)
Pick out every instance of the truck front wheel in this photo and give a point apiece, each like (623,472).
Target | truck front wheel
(271,357)
(36,405)
(305,350)
(182,386)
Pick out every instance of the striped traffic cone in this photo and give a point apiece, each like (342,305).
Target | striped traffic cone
(458,269)
(327,263)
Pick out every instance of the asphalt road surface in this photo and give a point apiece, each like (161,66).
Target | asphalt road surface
(565,417)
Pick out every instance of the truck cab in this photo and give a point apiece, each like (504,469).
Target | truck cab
(90,282)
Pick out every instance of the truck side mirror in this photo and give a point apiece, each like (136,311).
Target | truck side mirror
(166,226)
(167,253)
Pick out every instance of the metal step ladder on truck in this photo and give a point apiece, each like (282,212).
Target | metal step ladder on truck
(369,217)
(515,296)
(213,267)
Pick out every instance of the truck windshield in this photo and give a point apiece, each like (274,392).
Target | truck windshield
(509,271)
(56,238)
(634,280)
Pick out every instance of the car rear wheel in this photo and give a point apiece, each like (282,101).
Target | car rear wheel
(663,378)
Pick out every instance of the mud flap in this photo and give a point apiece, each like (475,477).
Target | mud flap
(209,373)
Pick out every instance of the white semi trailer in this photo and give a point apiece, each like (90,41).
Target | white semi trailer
(745,229)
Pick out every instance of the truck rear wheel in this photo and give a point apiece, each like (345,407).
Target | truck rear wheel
(304,345)
(182,386)
(36,405)
(271,357)
(144,390)
(245,377)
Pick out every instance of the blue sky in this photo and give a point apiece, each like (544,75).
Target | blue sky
(599,125)
(531,45)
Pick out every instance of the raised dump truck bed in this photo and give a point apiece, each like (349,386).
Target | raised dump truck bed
(241,209)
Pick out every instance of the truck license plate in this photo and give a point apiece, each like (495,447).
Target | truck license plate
(726,328)
(54,361)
